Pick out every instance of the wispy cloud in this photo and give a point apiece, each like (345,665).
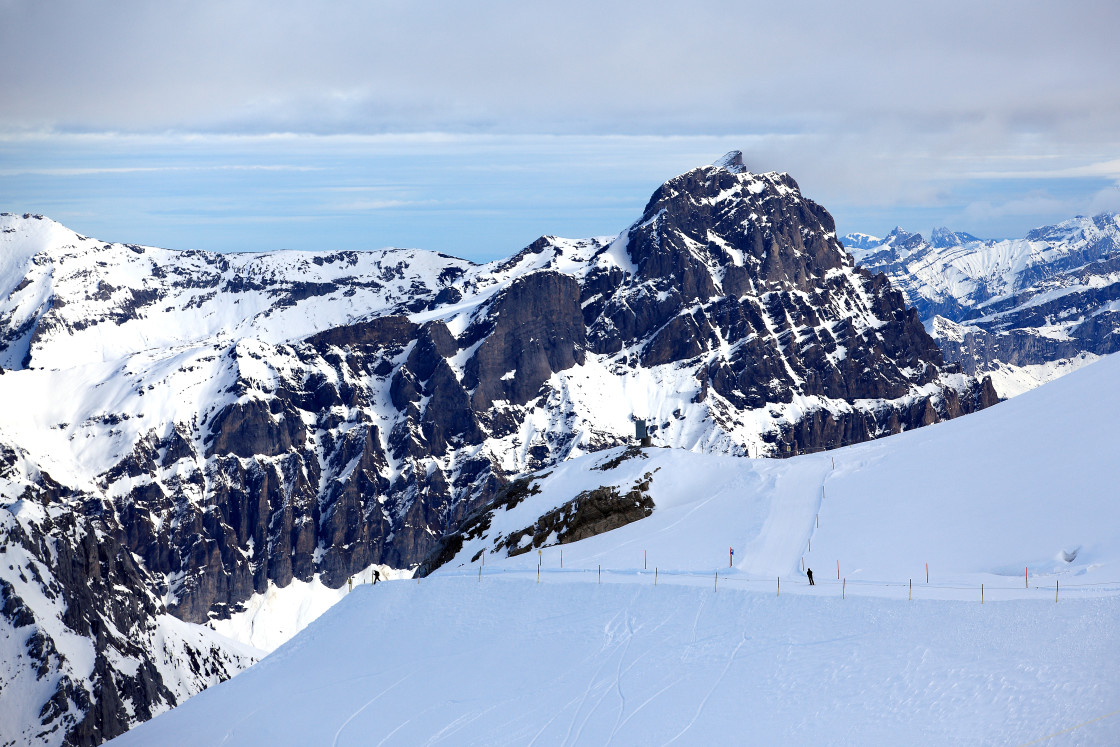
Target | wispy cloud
(97,170)
(365,205)
(1104,169)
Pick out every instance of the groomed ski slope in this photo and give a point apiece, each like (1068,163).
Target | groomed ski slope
(504,659)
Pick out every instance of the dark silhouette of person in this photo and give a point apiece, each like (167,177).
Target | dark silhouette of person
(809,573)
(376,576)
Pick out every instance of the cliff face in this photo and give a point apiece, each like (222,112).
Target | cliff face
(241,420)
(89,647)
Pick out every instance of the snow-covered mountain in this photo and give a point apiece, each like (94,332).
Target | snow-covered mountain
(87,647)
(966,592)
(1022,310)
(241,422)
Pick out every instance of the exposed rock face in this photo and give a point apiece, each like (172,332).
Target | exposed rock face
(1023,309)
(533,329)
(264,418)
(590,513)
(93,633)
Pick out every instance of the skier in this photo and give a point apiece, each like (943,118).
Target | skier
(376,576)
(809,573)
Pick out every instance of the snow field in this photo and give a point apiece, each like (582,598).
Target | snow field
(520,651)
(272,618)
(449,660)
(1030,483)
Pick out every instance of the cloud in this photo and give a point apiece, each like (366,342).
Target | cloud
(1030,205)
(359,206)
(1106,200)
(884,112)
(100,170)
(983,70)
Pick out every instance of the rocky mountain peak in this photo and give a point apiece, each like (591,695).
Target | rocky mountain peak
(943,238)
(860,241)
(898,234)
(731,161)
(711,231)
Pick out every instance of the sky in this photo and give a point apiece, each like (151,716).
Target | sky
(473,128)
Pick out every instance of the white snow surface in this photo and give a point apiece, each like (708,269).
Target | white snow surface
(272,618)
(1019,498)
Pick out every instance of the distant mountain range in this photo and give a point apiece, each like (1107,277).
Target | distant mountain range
(185,430)
(1021,310)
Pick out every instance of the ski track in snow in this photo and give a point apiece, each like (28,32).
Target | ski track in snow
(367,704)
(712,689)
(819,670)
(594,683)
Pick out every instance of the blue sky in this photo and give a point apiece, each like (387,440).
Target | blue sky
(474,128)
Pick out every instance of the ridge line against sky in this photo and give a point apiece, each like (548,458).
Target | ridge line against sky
(472,129)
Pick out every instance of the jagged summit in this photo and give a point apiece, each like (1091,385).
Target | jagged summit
(942,238)
(731,161)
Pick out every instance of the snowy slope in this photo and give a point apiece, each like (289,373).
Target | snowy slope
(965,496)
(510,662)
(486,654)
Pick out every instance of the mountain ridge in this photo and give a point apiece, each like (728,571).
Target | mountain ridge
(238,422)
(1021,310)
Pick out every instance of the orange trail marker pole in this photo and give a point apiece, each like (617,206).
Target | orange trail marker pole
(910,598)
(1026,579)
(837,570)
(981,593)
(927,573)
(844,590)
